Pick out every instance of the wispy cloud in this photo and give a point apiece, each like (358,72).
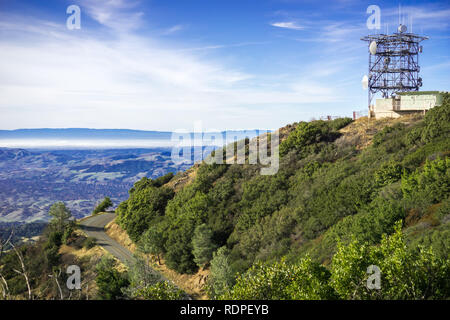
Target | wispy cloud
(119,15)
(221,46)
(438,66)
(288,25)
(173,29)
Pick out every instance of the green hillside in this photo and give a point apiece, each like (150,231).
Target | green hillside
(327,214)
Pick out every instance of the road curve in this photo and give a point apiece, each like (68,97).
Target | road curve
(95,227)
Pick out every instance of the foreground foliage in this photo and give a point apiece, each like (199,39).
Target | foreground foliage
(37,270)
(405,274)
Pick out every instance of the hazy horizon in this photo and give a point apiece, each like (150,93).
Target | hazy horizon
(81,138)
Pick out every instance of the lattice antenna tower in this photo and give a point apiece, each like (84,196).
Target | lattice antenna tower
(393,63)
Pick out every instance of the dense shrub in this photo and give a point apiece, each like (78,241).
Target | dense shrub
(437,121)
(68,233)
(203,246)
(152,241)
(221,278)
(146,203)
(405,274)
(282,281)
(105,204)
(162,290)
(367,226)
(388,173)
(340,123)
(61,216)
(146,182)
(309,133)
(110,282)
(387,134)
(89,243)
(432,182)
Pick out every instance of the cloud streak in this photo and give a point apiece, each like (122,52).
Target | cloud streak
(173,29)
(119,15)
(287,25)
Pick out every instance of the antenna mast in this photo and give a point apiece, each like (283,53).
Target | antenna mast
(393,62)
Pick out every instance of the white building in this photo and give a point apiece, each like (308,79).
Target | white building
(405,103)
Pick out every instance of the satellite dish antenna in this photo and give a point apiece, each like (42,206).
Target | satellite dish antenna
(365,82)
(373,48)
(402,28)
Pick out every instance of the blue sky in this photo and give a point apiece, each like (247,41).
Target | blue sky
(166,65)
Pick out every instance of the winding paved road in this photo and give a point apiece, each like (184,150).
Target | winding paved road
(95,227)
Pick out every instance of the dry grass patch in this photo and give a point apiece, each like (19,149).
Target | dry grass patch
(360,132)
(183,179)
(86,259)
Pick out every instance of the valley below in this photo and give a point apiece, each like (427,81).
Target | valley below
(32,180)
